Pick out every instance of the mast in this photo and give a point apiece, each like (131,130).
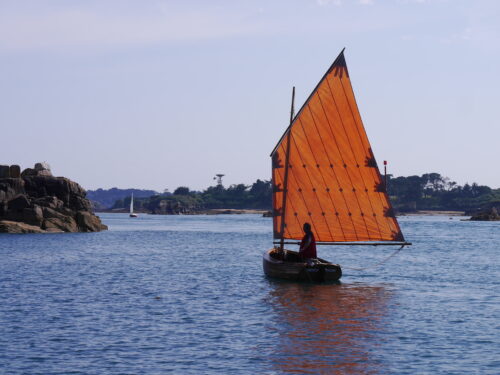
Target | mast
(285,181)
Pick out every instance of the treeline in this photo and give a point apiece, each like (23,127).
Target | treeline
(431,191)
(106,198)
(183,200)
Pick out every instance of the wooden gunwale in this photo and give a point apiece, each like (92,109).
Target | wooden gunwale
(300,271)
(348,243)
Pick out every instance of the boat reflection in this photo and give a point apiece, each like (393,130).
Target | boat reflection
(328,329)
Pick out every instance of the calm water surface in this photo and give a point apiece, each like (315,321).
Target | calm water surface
(187,295)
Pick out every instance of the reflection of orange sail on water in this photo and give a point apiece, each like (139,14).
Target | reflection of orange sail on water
(328,329)
(331,179)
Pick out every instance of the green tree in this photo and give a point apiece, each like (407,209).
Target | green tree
(181,190)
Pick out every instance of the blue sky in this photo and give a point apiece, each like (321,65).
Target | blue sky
(157,94)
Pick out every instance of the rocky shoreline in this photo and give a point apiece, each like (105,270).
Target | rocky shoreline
(34,201)
(487,215)
(432,213)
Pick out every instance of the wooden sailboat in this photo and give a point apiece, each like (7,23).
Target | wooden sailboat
(132,207)
(324,173)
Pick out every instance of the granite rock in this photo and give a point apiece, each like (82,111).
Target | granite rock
(36,199)
(4,171)
(17,227)
(15,171)
(488,215)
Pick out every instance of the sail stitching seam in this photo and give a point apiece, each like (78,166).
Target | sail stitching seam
(386,201)
(324,181)
(316,161)
(347,171)
(364,149)
(283,213)
(291,174)
(341,157)
(276,170)
(307,172)
(301,195)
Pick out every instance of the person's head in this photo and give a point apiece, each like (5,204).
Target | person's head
(307,227)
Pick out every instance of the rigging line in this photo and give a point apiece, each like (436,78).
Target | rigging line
(276,174)
(282,216)
(291,173)
(273,184)
(352,151)
(365,141)
(376,264)
(365,147)
(285,190)
(330,162)
(285,181)
(316,161)
(274,171)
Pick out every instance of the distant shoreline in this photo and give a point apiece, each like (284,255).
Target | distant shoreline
(237,211)
(210,211)
(433,213)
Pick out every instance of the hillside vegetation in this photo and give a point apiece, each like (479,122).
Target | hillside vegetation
(431,191)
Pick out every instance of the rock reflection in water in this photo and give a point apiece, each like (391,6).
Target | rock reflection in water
(328,329)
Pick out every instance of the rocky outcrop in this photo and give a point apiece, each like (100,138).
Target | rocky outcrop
(35,201)
(16,227)
(488,215)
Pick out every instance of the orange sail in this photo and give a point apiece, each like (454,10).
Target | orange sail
(324,171)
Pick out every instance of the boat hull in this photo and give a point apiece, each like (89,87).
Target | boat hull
(291,269)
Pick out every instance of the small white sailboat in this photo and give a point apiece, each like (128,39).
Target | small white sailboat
(132,206)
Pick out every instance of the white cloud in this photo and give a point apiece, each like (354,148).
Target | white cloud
(366,2)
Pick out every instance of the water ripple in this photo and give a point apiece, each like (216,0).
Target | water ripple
(186,295)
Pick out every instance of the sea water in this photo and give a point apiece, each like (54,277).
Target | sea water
(187,295)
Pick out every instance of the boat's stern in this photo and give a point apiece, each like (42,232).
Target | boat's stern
(287,266)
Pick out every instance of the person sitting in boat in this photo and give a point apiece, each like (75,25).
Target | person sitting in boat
(307,251)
